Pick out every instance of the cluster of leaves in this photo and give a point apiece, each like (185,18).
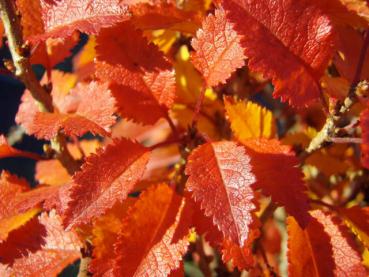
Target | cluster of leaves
(162,158)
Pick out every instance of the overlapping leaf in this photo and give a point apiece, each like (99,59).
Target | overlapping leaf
(88,108)
(324,248)
(277,175)
(7,151)
(41,248)
(299,35)
(167,16)
(158,252)
(349,46)
(218,49)
(18,203)
(309,250)
(220,179)
(357,219)
(104,179)
(104,234)
(142,77)
(249,120)
(62,18)
(50,52)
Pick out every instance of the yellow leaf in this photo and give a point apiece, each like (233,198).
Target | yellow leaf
(249,120)
(189,81)
(83,62)
(357,219)
(184,115)
(9,224)
(164,39)
(196,5)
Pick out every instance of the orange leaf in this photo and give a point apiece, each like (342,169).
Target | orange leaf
(220,179)
(62,18)
(44,247)
(142,76)
(158,251)
(163,16)
(357,219)
(300,54)
(7,151)
(241,257)
(51,173)
(104,179)
(18,203)
(324,248)
(309,250)
(218,49)
(88,108)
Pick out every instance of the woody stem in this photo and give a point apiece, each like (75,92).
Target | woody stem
(23,71)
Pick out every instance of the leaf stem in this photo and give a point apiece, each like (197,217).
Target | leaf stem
(24,71)
(199,103)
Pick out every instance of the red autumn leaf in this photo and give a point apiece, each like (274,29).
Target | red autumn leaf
(220,179)
(324,248)
(300,54)
(50,52)
(277,175)
(104,179)
(346,257)
(309,250)
(241,257)
(88,108)
(364,124)
(159,251)
(342,12)
(18,203)
(346,60)
(167,16)
(142,78)
(7,151)
(62,18)
(52,248)
(104,234)
(22,241)
(357,218)
(218,49)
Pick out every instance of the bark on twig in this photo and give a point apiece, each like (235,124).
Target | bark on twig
(330,129)
(23,70)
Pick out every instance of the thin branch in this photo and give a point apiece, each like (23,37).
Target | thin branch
(23,70)
(18,49)
(165,143)
(347,140)
(330,129)
(319,202)
(172,125)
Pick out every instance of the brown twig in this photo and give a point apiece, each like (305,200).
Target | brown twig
(23,70)
(330,129)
